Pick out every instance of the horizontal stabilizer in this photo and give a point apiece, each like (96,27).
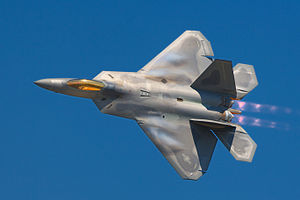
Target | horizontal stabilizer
(218,77)
(245,79)
(238,142)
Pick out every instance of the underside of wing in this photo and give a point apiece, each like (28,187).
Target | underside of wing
(183,60)
(187,147)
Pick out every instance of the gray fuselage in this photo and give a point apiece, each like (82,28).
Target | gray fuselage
(139,95)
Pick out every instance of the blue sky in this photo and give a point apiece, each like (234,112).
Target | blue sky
(58,147)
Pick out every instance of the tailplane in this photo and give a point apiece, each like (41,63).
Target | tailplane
(245,79)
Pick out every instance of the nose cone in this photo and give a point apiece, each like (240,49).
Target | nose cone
(53,84)
(43,83)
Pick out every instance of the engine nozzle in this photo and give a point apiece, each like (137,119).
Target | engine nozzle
(227,116)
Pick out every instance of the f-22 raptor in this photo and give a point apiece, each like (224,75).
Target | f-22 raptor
(182,99)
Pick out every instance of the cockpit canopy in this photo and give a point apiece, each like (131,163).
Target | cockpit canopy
(86,85)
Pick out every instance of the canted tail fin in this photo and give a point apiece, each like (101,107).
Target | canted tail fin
(234,137)
(218,77)
(245,79)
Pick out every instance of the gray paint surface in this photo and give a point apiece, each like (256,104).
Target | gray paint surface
(181,99)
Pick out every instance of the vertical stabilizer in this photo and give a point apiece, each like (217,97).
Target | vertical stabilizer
(234,137)
(218,78)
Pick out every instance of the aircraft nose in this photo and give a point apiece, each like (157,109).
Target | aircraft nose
(43,83)
(71,86)
(53,84)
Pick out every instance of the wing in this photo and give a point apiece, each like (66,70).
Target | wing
(183,60)
(187,147)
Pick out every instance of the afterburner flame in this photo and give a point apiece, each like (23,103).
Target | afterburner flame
(253,121)
(261,108)
(86,85)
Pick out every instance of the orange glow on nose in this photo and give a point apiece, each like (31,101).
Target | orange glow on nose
(86,85)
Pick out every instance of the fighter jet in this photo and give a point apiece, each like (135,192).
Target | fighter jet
(181,99)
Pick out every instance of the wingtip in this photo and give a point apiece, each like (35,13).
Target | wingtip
(195,175)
